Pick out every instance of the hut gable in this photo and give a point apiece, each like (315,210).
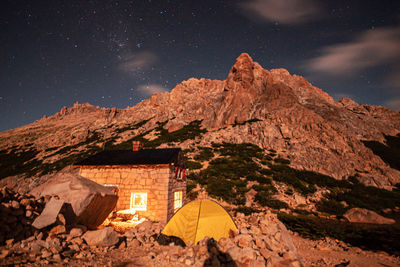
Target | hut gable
(151,182)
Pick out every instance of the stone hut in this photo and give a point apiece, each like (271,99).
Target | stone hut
(150,182)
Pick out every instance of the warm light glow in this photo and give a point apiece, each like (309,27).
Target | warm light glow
(177,200)
(138,201)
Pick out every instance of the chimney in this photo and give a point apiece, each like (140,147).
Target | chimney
(137,145)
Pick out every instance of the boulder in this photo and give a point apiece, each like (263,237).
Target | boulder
(91,202)
(49,214)
(358,215)
(75,232)
(105,237)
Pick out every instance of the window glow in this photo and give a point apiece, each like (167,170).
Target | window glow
(177,200)
(139,201)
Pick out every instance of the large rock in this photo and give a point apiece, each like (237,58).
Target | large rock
(358,215)
(49,214)
(105,237)
(90,202)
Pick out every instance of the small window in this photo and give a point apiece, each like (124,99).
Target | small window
(139,201)
(177,200)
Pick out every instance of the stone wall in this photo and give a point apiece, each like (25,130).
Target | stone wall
(151,179)
(173,186)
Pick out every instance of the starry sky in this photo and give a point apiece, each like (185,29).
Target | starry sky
(117,53)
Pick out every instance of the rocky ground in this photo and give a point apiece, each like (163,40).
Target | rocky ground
(262,240)
(330,252)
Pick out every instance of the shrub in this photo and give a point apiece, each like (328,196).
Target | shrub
(221,188)
(246,210)
(331,206)
(189,131)
(367,197)
(190,185)
(375,237)
(267,187)
(205,154)
(245,151)
(289,191)
(188,150)
(302,212)
(304,181)
(192,195)
(287,175)
(281,161)
(224,176)
(193,165)
(132,126)
(266,172)
(264,198)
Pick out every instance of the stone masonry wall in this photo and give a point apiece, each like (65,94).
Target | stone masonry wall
(150,179)
(173,186)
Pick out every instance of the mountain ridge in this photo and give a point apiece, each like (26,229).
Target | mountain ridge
(270,108)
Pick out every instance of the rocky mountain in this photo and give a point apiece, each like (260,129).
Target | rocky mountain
(269,108)
(259,140)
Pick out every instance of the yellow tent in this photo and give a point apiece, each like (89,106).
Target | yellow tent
(198,219)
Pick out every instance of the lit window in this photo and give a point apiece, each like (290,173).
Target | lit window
(177,200)
(139,201)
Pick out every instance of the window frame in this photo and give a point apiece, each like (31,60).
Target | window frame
(137,207)
(178,199)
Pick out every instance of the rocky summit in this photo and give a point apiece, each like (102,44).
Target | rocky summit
(269,108)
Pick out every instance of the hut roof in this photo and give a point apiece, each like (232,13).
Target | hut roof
(129,157)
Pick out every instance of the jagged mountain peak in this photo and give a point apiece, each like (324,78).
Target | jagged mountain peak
(270,108)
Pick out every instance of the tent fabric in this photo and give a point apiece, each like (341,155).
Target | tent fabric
(198,219)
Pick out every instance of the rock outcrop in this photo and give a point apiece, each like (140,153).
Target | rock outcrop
(358,215)
(105,237)
(91,203)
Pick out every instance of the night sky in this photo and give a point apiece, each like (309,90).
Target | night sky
(117,53)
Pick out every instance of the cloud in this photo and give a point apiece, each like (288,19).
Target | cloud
(371,48)
(136,62)
(282,11)
(393,104)
(149,89)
